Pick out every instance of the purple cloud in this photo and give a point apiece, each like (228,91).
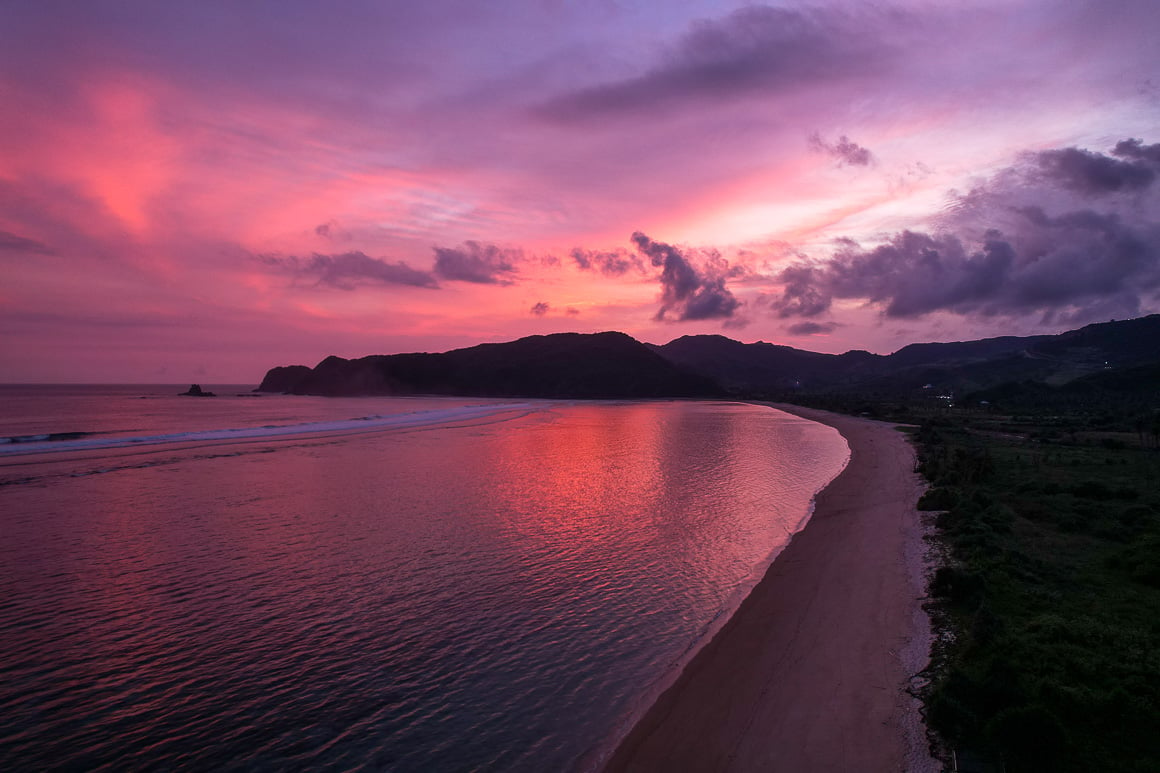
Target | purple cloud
(540,309)
(912,274)
(1063,256)
(10,242)
(811,328)
(1094,173)
(477,263)
(351,269)
(844,150)
(753,50)
(610,263)
(805,291)
(1137,150)
(689,293)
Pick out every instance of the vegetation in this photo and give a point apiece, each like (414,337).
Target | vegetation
(1049,595)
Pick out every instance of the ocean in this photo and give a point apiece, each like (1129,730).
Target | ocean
(404,584)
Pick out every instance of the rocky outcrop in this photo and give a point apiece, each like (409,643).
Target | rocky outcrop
(283,379)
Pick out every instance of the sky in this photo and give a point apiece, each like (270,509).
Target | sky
(202,191)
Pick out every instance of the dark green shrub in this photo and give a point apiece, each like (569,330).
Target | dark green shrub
(942,498)
(957,586)
(1031,736)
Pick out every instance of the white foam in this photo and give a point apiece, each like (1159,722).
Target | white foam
(345,426)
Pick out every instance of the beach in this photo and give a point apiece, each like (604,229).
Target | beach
(810,673)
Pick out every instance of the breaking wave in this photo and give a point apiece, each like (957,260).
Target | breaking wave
(56,442)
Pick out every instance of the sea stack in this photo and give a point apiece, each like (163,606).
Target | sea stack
(195,390)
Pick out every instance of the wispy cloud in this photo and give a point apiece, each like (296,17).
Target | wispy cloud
(759,49)
(844,150)
(608,262)
(811,328)
(349,270)
(477,263)
(10,242)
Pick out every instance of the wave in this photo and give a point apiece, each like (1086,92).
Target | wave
(56,442)
(46,437)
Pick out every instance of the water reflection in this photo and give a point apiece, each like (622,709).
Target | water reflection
(452,598)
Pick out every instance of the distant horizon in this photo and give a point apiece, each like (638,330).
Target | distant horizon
(203,380)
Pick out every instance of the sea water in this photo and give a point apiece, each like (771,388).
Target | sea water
(407,584)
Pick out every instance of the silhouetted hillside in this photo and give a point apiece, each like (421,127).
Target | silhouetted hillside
(615,365)
(962,352)
(955,367)
(1124,390)
(566,365)
(1117,344)
(761,366)
(283,379)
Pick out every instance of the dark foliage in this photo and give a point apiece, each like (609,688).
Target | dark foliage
(1049,601)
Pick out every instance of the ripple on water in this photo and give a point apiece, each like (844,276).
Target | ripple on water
(500,596)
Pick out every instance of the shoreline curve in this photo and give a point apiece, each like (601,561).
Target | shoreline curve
(811,671)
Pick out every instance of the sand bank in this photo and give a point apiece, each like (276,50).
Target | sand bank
(810,673)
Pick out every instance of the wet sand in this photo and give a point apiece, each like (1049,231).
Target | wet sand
(811,671)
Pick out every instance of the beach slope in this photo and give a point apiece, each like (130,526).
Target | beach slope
(810,673)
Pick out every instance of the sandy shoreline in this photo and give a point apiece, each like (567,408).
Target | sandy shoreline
(810,672)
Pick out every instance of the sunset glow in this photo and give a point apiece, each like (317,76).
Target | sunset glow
(202,191)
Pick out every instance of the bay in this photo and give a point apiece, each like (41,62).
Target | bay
(402,584)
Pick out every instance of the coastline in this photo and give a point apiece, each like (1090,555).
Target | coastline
(810,673)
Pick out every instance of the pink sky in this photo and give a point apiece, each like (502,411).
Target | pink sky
(198,192)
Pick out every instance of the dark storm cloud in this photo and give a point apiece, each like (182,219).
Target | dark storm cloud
(1076,259)
(811,328)
(610,263)
(912,274)
(1073,253)
(1094,173)
(804,294)
(756,49)
(10,242)
(478,263)
(844,150)
(351,269)
(540,309)
(689,292)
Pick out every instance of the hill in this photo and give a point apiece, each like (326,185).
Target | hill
(564,365)
(613,365)
(942,368)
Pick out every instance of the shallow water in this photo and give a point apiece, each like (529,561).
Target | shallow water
(488,590)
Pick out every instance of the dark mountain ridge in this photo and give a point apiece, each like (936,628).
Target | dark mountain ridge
(613,365)
(565,365)
(944,367)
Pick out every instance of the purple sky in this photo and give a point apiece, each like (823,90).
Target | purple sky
(198,192)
